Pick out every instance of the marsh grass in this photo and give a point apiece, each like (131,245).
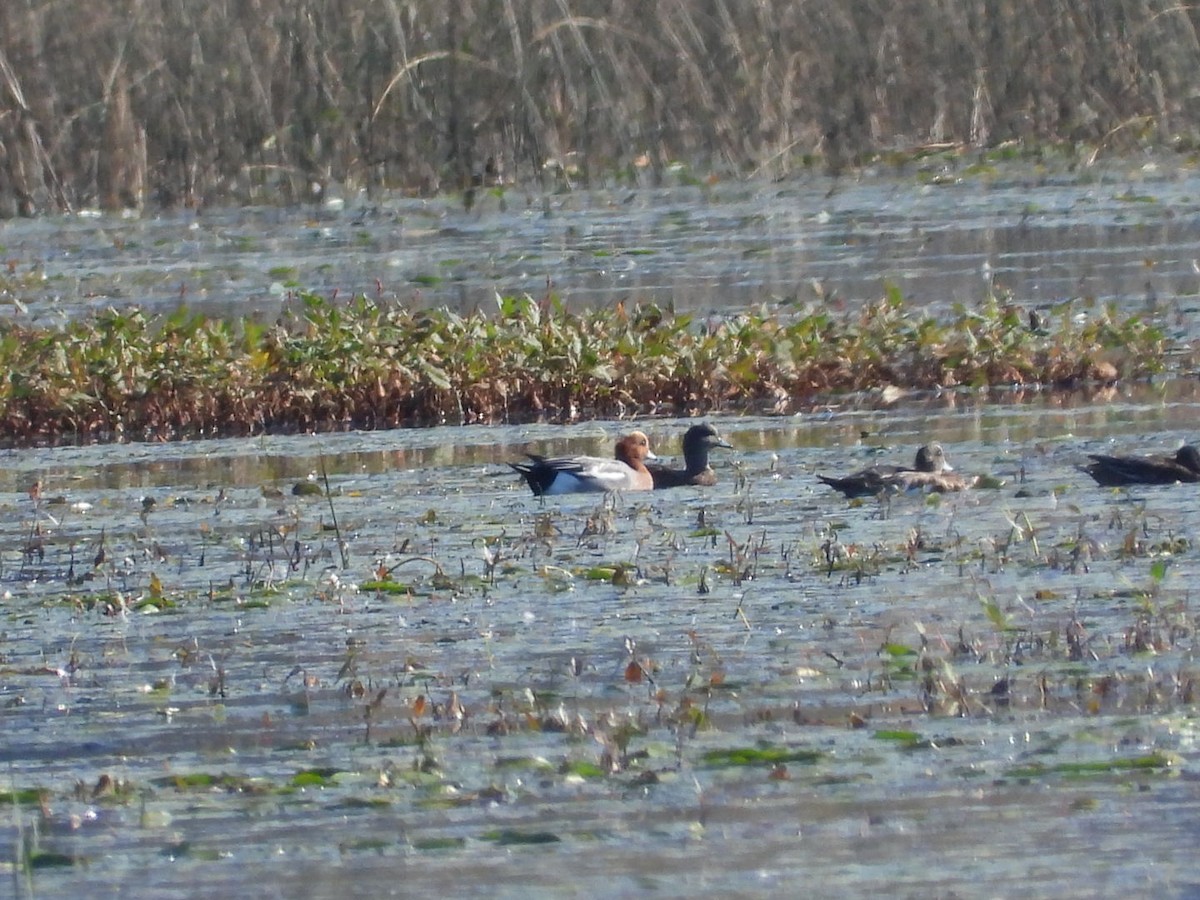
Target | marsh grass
(324,366)
(160,102)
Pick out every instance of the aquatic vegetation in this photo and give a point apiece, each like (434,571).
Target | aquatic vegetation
(325,366)
(759,756)
(507,837)
(1150,763)
(480,675)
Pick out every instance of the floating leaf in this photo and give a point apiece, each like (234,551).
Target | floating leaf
(386,587)
(24,797)
(899,735)
(510,837)
(582,768)
(314,777)
(46,860)
(758,756)
(1150,762)
(438,843)
(995,614)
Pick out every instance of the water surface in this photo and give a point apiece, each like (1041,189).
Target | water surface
(260,658)
(980,695)
(1123,231)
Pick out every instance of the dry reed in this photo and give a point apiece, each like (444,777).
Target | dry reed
(163,101)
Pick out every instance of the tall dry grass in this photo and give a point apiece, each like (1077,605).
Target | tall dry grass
(173,101)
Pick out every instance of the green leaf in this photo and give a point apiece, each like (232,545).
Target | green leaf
(314,777)
(899,735)
(995,614)
(758,756)
(508,837)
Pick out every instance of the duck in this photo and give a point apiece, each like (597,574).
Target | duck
(697,442)
(626,471)
(943,482)
(1116,471)
(929,471)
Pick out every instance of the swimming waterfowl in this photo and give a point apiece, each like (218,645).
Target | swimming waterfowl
(931,482)
(590,474)
(928,472)
(697,442)
(1115,471)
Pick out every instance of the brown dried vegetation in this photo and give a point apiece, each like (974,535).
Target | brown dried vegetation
(133,101)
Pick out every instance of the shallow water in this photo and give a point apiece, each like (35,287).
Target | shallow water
(1122,231)
(259,659)
(177,611)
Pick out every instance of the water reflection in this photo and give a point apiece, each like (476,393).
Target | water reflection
(1123,234)
(266,660)
(1132,415)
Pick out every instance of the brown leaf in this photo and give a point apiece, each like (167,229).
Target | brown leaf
(633,672)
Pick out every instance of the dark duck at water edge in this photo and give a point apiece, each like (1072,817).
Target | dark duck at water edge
(697,442)
(626,471)
(1118,471)
(929,471)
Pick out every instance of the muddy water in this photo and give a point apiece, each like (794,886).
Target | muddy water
(757,688)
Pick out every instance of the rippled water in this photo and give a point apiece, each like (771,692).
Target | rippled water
(175,612)
(1124,231)
(261,662)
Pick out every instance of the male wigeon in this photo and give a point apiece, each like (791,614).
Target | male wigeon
(697,442)
(928,472)
(588,474)
(1115,471)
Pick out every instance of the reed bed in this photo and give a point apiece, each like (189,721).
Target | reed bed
(161,102)
(323,366)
